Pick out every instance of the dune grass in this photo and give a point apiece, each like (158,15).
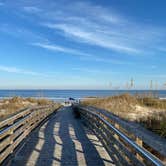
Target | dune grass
(9,107)
(153,102)
(148,111)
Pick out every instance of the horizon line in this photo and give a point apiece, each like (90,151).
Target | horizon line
(81,89)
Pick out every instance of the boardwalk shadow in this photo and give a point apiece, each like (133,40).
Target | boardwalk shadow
(90,152)
(46,155)
(57,145)
(32,151)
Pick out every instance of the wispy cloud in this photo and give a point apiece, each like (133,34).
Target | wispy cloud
(104,28)
(82,55)
(98,26)
(16,70)
(92,37)
(31,9)
(96,12)
(106,60)
(60,49)
(92,71)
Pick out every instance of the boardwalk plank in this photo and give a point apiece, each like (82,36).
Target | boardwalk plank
(62,140)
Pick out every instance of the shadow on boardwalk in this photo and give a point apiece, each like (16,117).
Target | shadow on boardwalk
(63,140)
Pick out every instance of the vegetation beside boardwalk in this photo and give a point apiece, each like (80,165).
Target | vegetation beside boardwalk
(146,110)
(12,106)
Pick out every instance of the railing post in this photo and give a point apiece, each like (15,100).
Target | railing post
(117,126)
(128,148)
(11,139)
(140,143)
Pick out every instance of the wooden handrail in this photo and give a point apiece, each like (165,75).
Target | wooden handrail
(14,129)
(152,140)
(124,141)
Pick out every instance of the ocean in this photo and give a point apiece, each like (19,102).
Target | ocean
(62,95)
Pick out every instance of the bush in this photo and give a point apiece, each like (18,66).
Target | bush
(9,107)
(149,111)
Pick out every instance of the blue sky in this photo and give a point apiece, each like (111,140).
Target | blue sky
(48,44)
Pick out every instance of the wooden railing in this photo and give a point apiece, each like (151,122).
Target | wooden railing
(13,130)
(127,143)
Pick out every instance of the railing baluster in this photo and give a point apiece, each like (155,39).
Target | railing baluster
(139,142)
(16,128)
(129,152)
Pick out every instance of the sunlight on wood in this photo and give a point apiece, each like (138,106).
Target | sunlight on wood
(78,147)
(58,146)
(36,152)
(100,149)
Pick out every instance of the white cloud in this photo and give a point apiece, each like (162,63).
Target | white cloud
(92,70)
(97,12)
(98,26)
(10,69)
(106,60)
(82,55)
(93,38)
(104,28)
(60,49)
(31,9)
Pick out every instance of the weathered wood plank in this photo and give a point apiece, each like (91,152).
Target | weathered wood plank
(16,128)
(120,144)
(151,139)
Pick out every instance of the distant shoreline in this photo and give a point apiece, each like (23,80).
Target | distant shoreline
(64,99)
(35,89)
(63,95)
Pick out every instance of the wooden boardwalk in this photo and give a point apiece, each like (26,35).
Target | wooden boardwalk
(62,140)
